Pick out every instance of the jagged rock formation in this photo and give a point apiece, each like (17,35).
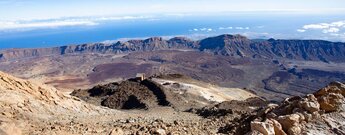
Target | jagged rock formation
(240,46)
(228,45)
(150,44)
(318,113)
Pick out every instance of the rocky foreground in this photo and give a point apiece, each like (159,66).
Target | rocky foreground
(29,108)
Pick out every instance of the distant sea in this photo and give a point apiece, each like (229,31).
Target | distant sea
(196,27)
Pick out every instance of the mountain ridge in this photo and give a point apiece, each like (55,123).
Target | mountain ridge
(226,44)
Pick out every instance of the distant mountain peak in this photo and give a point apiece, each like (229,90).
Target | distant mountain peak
(152,39)
(229,36)
(226,44)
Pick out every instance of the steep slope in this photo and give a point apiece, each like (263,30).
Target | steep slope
(21,96)
(239,46)
(150,44)
(318,113)
(228,45)
(25,103)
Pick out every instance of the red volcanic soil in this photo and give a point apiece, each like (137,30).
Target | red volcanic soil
(65,81)
(119,70)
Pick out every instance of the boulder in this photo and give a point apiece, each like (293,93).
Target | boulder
(331,97)
(278,129)
(160,132)
(288,121)
(291,123)
(295,130)
(331,102)
(310,104)
(334,87)
(265,128)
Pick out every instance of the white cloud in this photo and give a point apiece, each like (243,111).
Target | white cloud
(331,30)
(316,26)
(62,22)
(219,28)
(50,24)
(333,27)
(338,24)
(301,30)
(122,18)
(202,29)
(242,28)
(230,28)
(225,28)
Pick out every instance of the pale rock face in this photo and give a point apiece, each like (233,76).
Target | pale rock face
(295,130)
(160,132)
(265,128)
(331,102)
(331,98)
(288,121)
(24,102)
(268,127)
(8,128)
(291,123)
(278,129)
(310,104)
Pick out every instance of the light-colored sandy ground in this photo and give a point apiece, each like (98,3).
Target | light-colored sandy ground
(207,91)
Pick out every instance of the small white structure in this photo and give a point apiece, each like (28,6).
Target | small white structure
(140,76)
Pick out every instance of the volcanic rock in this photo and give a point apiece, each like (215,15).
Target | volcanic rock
(310,104)
(265,128)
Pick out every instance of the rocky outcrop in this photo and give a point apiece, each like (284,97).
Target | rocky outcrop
(310,104)
(299,115)
(291,123)
(331,98)
(265,128)
(268,127)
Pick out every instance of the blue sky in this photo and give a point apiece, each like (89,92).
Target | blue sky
(32,14)
(42,9)
(48,22)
